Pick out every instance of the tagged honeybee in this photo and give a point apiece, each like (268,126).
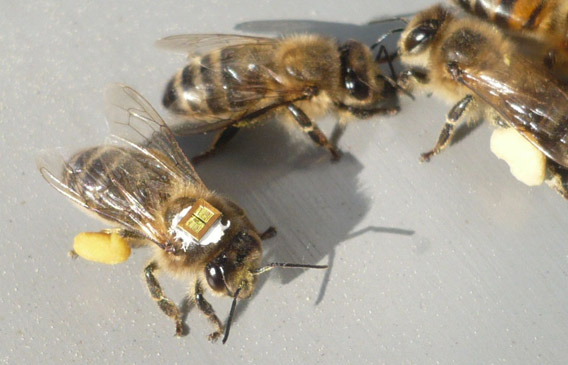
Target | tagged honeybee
(543,20)
(142,182)
(235,81)
(475,66)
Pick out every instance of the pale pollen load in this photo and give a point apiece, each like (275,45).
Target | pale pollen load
(527,163)
(103,247)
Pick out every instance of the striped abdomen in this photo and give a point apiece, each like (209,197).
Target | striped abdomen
(531,15)
(222,84)
(114,181)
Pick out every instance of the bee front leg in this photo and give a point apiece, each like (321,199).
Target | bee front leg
(338,130)
(268,234)
(165,304)
(313,131)
(452,119)
(388,58)
(407,79)
(208,311)
(221,139)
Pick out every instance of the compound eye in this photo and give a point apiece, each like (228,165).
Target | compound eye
(419,37)
(215,277)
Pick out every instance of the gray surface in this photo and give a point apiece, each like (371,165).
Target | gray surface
(452,261)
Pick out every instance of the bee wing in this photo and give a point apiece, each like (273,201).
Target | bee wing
(109,189)
(196,44)
(134,122)
(111,199)
(53,166)
(536,106)
(251,84)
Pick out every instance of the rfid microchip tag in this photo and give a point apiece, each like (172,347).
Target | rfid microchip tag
(199,219)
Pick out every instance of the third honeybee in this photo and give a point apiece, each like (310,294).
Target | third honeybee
(477,67)
(235,81)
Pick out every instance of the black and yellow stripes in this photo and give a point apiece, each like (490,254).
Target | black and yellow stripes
(512,14)
(223,83)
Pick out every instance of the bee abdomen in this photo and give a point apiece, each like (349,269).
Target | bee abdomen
(513,14)
(203,87)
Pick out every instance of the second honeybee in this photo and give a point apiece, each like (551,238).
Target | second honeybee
(237,81)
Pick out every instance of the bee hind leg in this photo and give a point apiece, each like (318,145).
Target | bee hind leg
(206,308)
(453,117)
(165,304)
(316,134)
(135,239)
(221,139)
(557,178)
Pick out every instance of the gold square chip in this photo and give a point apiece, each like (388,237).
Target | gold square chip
(199,219)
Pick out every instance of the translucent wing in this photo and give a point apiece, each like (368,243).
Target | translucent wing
(107,181)
(128,180)
(532,102)
(238,82)
(197,44)
(53,166)
(132,121)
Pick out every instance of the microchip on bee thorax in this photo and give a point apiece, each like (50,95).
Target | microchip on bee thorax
(199,219)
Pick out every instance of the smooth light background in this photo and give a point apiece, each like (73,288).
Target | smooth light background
(451,261)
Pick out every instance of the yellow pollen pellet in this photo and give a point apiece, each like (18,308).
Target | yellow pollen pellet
(106,248)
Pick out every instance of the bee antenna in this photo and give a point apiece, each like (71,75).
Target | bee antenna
(395,84)
(272,265)
(379,21)
(385,36)
(231,314)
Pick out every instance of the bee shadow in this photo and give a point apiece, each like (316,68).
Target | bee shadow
(314,203)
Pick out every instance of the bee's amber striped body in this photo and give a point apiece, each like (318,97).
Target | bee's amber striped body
(543,19)
(245,80)
(235,82)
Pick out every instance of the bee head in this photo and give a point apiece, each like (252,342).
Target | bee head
(234,272)
(422,30)
(231,272)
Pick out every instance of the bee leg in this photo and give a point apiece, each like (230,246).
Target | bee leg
(165,304)
(313,131)
(388,58)
(135,239)
(268,234)
(348,112)
(220,140)
(338,131)
(209,312)
(452,118)
(557,178)
(408,78)
(550,59)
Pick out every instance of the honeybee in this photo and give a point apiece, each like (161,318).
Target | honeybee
(235,81)
(142,182)
(543,20)
(475,66)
